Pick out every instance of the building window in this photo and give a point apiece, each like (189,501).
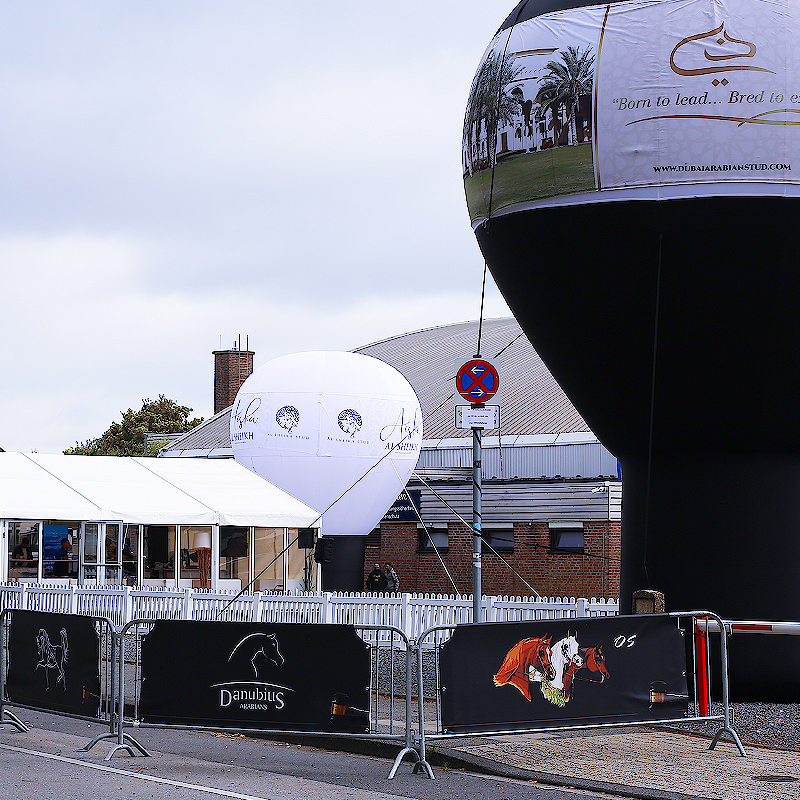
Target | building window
(499,538)
(436,535)
(566,537)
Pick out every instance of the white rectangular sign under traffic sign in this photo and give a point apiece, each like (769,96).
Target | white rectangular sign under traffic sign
(468,417)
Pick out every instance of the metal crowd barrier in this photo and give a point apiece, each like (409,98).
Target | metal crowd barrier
(431,728)
(164,674)
(35,650)
(389,715)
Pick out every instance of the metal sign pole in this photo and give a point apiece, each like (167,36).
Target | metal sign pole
(476,522)
(477,380)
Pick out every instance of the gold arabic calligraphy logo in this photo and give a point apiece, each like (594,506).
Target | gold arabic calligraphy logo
(725,38)
(723,41)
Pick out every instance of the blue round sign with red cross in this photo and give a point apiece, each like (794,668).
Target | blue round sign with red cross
(477,381)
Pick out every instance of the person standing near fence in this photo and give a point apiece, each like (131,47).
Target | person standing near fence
(376,580)
(392,581)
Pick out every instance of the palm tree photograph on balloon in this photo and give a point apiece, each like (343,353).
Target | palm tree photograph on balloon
(528,123)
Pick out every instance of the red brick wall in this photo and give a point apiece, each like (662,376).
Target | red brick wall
(595,573)
(231,370)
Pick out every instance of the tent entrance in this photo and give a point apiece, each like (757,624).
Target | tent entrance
(100,553)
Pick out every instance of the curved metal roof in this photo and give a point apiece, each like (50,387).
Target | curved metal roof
(531,402)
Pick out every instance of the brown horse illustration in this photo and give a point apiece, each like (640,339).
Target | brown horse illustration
(526,661)
(592,660)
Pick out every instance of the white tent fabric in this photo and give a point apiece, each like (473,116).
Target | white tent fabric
(149,491)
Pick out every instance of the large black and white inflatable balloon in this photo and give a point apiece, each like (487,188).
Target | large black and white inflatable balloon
(632,171)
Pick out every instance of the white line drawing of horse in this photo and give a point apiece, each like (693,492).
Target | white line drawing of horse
(52,656)
(257,645)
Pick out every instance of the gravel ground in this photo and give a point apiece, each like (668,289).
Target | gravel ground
(760,724)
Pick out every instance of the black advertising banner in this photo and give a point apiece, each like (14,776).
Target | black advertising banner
(518,675)
(250,675)
(54,662)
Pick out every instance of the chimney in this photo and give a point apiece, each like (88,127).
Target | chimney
(231,369)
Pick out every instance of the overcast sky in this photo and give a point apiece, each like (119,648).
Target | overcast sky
(179,173)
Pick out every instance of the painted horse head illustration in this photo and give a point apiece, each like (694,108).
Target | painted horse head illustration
(590,659)
(527,661)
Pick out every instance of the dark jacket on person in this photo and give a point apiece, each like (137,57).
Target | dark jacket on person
(376,581)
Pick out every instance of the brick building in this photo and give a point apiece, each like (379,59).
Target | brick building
(577,559)
(231,369)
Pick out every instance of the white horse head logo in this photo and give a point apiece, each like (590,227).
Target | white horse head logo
(257,646)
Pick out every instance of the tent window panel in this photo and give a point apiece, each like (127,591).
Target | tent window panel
(234,551)
(112,574)
(297,559)
(90,542)
(193,537)
(159,551)
(130,551)
(23,550)
(60,559)
(267,548)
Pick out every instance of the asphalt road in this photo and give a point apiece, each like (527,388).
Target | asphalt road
(44,765)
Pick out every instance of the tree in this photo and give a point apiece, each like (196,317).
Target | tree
(564,84)
(488,105)
(129,437)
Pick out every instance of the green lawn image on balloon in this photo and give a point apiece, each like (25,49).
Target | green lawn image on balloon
(531,176)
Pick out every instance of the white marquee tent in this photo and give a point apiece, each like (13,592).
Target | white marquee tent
(149,491)
(103,492)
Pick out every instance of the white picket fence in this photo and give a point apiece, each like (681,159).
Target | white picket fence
(411,613)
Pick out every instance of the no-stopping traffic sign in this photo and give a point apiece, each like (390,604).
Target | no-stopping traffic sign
(477,381)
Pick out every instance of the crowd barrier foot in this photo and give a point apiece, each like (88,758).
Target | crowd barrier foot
(89,745)
(423,766)
(7,718)
(734,736)
(127,743)
(418,766)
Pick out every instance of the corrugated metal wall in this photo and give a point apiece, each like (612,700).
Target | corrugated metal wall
(551,461)
(527,502)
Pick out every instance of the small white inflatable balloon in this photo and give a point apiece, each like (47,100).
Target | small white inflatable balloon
(339,431)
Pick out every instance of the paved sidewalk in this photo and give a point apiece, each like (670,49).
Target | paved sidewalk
(640,759)
(48,765)
(631,762)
